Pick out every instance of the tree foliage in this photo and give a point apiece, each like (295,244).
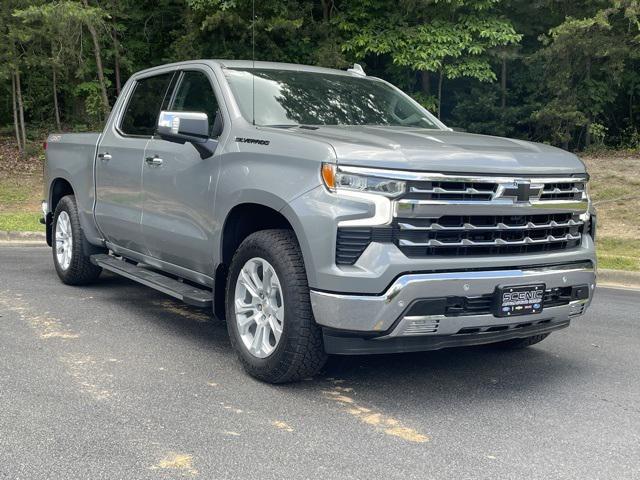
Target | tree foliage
(566,73)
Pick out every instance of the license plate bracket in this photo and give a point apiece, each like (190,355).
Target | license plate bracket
(514,300)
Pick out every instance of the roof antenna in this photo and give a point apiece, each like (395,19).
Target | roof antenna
(253,58)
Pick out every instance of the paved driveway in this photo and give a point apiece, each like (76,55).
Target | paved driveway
(117,381)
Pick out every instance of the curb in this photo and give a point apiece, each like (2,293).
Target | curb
(618,278)
(22,238)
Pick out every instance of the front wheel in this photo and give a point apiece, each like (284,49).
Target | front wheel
(72,265)
(269,314)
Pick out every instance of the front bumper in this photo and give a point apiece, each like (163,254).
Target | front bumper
(383,319)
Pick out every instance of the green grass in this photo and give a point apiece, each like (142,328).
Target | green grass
(21,222)
(619,254)
(14,194)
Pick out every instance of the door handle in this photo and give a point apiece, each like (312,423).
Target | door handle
(153,161)
(105,157)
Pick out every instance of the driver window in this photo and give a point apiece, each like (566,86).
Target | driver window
(195,94)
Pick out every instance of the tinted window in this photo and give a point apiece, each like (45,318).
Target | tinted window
(145,104)
(289,97)
(195,94)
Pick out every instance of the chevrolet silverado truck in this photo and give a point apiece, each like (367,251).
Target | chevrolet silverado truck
(321,212)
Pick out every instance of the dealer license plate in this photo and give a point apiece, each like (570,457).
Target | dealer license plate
(519,300)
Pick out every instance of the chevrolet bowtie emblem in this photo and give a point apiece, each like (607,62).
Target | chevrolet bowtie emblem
(521,191)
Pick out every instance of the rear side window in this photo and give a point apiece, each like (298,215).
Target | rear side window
(141,115)
(195,94)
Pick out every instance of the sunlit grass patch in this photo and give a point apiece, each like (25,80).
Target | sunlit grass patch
(21,222)
(618,253)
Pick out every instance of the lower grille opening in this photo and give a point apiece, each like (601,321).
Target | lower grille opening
(523,325)
(468,330)
(500,328)
(497,329)
(483,304)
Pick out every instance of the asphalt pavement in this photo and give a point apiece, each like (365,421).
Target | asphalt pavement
(117,381)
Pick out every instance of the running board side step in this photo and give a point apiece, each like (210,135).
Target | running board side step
(189,294)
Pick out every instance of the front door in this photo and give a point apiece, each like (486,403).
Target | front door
(119,196)
(179,186)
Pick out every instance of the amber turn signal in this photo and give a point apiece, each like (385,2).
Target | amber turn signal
(329,175)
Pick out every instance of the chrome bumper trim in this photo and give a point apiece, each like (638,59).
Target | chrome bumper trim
(452,325)
(378,313)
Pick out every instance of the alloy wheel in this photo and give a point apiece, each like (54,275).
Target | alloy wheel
(64,240)
(259,307)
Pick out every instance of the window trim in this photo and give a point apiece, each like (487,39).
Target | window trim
(123,111)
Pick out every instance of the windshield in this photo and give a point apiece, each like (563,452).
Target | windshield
(290,98)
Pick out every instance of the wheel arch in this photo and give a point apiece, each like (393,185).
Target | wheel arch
(241,221)
(58,188)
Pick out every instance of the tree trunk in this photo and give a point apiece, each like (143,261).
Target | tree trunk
(440,80)
(116,59)
(15,112)
(327,6)
(56,109)
(425,81)
(21,109)
(503,83)
(587,137)
(98,54)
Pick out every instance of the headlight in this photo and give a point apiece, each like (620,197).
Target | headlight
(336,180)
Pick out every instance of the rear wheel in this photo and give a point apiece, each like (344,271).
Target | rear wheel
(516,343)
(71,263)
(269,314)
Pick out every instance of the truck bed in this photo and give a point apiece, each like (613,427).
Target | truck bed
(70,156)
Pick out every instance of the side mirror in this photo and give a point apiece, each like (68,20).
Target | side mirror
(183,127)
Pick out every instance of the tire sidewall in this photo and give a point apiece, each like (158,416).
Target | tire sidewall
(274,361)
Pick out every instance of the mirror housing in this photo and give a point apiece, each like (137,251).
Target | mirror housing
(183,127)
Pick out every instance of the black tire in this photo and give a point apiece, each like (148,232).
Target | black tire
(80,270)
(516,343)
(299,353)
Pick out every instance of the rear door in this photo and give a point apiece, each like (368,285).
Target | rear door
(179,186)
(119,196)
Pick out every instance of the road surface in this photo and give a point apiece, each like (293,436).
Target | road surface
(117,381)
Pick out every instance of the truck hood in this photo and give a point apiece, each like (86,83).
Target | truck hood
(442,151)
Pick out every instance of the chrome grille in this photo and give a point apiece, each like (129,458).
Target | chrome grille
(563,191)
(481,235)
(458,223)
(465,235)
(442,188)
(452,191)
(515,215)
(455,215)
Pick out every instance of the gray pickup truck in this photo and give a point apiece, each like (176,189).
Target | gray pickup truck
(321,212)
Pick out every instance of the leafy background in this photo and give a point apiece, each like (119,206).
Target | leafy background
(565,72)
